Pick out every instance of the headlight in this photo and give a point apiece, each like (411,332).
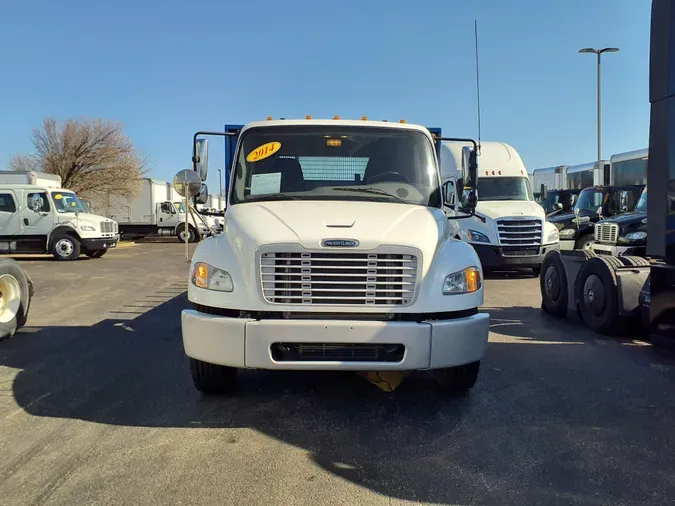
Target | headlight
(466,281)
(211,278)
(88,228)
(477,236)
(553,236)
(567,233)
(636,236)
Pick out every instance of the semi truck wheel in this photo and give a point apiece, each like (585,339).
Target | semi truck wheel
(597,293)
(458,379)
(213,378)
(553,285)
(65,247)
(15,295)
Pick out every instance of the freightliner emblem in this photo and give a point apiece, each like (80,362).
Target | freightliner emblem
(339,243)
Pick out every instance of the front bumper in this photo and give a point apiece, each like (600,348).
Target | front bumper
(248,343)
(99,243)
(496,256)
(617,251)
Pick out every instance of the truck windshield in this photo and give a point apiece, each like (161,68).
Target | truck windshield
(641,206)
(336,163)
(589,201)
(67,202)
(504,188)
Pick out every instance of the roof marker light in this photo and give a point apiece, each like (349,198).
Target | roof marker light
(269,118)
(308,117)
(336,117)
(402,121)
(364,118)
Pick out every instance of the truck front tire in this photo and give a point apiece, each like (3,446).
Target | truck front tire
(458,379)
(65,247)
(193,236)
(213,378)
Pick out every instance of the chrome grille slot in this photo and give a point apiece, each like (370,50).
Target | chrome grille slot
(108,227)
(525,232)
(332,278)
(606,232)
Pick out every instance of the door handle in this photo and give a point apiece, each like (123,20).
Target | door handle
(25,221)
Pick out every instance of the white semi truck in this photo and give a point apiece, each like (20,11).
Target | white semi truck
(337,254)
(509,229)
(152,212)
(38,216)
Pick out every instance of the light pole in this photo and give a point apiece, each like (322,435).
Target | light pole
(599,52)
(220,182)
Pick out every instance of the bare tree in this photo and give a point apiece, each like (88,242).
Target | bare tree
(93,157)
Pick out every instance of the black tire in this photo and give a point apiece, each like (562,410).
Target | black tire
(13,316)
(65,247)
(97,253)
(630,261)
(192,234)
(553,285)
(597,294)
(584,242)
(213,378)
(458,379)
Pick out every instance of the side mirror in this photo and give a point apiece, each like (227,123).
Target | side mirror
(557,206)
(470,177)
(449,193)
(203,196)
(543,193)
(200,158)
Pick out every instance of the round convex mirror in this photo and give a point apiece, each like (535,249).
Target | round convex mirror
(187,183)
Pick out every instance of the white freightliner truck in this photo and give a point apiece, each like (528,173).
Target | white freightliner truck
(337,254)
(509,229)
(38,216)
(152,211)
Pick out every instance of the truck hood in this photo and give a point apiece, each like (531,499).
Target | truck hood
(308,223)
(499,208)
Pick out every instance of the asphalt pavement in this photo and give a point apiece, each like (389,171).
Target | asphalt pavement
(97,407)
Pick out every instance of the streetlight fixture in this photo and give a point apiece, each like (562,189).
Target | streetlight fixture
(599,52)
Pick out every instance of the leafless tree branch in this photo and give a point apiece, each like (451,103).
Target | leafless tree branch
(93,157)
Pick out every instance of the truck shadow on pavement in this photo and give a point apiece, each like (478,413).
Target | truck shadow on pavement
(555,417)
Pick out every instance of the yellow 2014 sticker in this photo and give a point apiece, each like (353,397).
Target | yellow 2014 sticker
(264,151)
(58,196)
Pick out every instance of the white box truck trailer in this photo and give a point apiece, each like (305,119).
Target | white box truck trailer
(337,255)
(152,212)
(38,216)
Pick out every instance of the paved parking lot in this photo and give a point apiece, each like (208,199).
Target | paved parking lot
(97,407)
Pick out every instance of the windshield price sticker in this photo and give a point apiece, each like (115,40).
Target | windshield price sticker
(58,196)
(264,151)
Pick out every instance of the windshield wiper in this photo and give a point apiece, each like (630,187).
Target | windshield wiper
(271,196)
(373,191)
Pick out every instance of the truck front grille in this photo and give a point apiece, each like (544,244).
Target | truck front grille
(109,227)
(520,231)
(337,352)
(607,232)
(331,278)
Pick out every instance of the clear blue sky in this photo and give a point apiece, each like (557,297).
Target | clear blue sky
(168,69)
